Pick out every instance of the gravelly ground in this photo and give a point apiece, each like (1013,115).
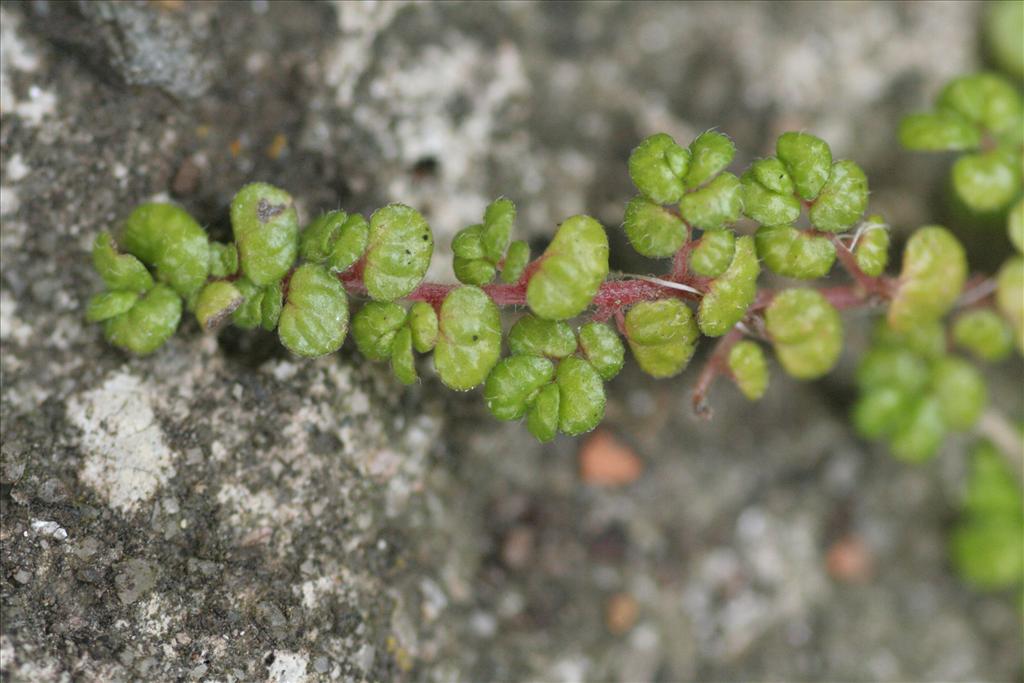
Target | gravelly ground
(220,511)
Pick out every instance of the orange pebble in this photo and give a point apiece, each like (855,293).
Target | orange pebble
(606,461)
(849,560)
(621,613)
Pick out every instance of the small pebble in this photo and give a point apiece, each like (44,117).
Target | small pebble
(606,461)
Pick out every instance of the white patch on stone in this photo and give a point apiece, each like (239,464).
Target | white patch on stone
(11,327)
(360,23)
(288,667)
(127,459)
(16,168)
(49,528)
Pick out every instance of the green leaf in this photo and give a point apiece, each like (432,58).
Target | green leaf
(119,271)
(899,367)
(715,205)
(536,337)
(713,253)
(871,250)
(542,420)
(794,253)
(808,159)
(767,206)
(987,181)
(1015,225)
(266,230)
(403,364)
(991,488)
(657,167)
(989,553)
(933,275)
(571,270)
(399,252)
(580,396)
(603,348)
(920,436)
(513,385)
(216,301)
(148,324)
(982,332)
(1005,40)
(336,239)
(881,411)
(166,237)
(374,328)
(652,230)
(749,369)
(927,339)
(662,335)
(314,319)
(772,174)
(710,154)
(249,314)
(1009,285)
(470,263)
(473,272)
(961,392)
(730,294)
(986,99)
(516,260)
(109,304)
(498,220)
(469,340)
(271,305)
(422,323)
(223,259)
(806,331)
(842,199)
(938,131)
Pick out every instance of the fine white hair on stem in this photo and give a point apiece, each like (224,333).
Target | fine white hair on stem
(865,227)
(658,281)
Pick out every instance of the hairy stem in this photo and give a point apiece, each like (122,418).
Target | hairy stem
(716,365)
(994,426)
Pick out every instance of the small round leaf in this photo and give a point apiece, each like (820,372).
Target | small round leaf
(749,369)
(537,337)
(516,259)
(514,383)
(266,230)
(806,331)
(808,159)
(984,333)
(216,301)
(148,324)
(657,167)
(109,304)
(872,247)
(932,277)
(469,339)
(711,153)
(714,205)
(168,238)
(314,319)
(399,252)
(603,348)
(403,364)
(662,336)
(987,181)
(794,253)
(730,294)
(374,328)
(713,253)
(938,131)
(842,199)
(651,229)
(571,270)
(119,271)
(542,420)
(422,322)
(580,396)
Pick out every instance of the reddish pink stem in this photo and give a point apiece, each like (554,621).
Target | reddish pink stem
(716,365)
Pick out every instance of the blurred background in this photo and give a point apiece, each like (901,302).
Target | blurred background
(223,511)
